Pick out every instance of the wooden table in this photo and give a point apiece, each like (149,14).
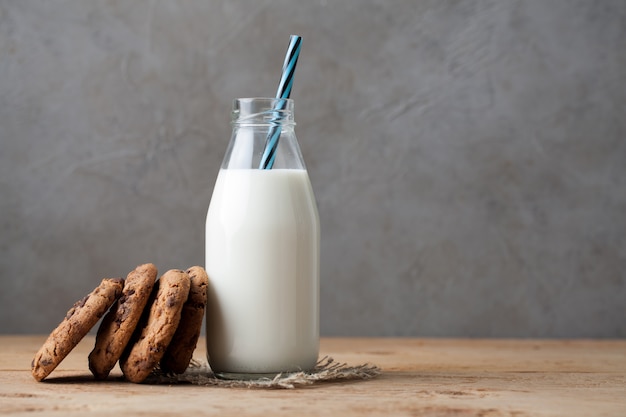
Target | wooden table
(421,377)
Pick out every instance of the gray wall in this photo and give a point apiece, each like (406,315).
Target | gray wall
(468,158)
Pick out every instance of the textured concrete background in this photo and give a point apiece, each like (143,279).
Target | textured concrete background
(468,158)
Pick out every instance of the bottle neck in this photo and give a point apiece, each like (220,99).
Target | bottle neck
(263,130)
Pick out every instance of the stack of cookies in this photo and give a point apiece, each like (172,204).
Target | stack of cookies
(148,322)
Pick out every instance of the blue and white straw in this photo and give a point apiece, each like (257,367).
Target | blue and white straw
(283,92)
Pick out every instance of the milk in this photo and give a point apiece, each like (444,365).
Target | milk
(262,258)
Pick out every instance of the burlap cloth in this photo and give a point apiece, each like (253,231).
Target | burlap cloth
(326,370)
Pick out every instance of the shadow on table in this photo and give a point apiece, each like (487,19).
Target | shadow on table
(82,379)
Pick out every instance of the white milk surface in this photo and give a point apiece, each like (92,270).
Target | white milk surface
(262,258)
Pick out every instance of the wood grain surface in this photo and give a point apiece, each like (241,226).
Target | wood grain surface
(421,377)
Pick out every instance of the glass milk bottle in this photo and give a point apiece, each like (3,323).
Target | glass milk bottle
(262,251)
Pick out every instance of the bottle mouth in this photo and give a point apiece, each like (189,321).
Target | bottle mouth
(262,111)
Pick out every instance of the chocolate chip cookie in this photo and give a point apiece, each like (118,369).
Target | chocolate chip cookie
(83,315)
(151,338)
(180,350)
(118,325)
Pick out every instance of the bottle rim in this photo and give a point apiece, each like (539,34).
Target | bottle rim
(262,111)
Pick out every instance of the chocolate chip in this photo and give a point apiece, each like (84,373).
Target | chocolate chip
(171,301)
(82,302)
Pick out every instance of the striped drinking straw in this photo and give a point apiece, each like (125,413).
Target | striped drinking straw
(284,91)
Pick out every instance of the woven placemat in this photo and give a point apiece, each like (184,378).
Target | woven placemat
(326,370)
